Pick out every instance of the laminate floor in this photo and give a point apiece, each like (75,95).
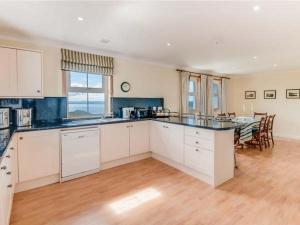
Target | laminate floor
(265,191)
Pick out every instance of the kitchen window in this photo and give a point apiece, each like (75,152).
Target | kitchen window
(87,94)
(193,95)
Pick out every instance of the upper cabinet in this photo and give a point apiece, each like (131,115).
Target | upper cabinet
(20,73)
(29,66)
(8,72)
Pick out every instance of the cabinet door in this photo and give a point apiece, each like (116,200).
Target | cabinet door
(199,159)
(8,72)
(38,154)
(114,141)
(175,145)
(29,66)
(139,137)
(158,138)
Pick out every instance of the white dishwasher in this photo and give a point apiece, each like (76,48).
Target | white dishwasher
(80,153)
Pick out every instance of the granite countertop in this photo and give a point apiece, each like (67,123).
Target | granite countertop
(200,123)
(6,134)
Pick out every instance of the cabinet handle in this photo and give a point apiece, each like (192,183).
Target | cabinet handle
(8,173)
(38,91)
(82,136)
(3,168)
(197,142)
(9,186)
(197,132)
(21,138)
(11,148)
(197,150)
(8,156)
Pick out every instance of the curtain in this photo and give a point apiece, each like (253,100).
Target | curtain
(86,62)
(209,96)
(223,95)
(184,88)
(203,96)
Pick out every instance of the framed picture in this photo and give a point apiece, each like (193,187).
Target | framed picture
(270,94)
(292,93)
(250,94)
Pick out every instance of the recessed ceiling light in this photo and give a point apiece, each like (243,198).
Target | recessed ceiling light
(256,8)
(275,65)
(80,18)
(168,44)
(254,57)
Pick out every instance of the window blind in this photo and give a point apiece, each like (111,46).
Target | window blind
(86,62)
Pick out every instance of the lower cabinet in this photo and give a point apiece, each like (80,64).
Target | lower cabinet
(38,154)
(8,176)
(167,140)
(122,140)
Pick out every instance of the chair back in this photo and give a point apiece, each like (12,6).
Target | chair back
(232,114)
(262,125)
(222,114)
(259,115)
(270,122)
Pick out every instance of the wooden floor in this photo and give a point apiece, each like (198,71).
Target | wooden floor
(265,191)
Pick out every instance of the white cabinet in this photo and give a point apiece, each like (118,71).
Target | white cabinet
(7,183)
(139,137)
(8,72)
(167,140)
(38,154)
(114,141)
(29,73)
(20,73)
(122,140)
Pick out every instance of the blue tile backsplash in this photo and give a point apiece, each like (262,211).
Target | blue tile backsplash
(117,103)
(48,109)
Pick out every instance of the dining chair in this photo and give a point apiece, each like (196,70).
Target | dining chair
(259,136)
(257,114)
(269,129)
(232,115)
(222,114)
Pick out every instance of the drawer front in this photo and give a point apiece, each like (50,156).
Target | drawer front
(199,142)
(199,159)
(199,133)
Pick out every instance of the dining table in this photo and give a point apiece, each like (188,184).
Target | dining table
(247,126)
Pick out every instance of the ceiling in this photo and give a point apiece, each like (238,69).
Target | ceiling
(221,37)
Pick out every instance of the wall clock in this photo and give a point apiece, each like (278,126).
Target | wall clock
(125,86)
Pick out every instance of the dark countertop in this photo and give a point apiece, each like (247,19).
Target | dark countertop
(6,134)
(200,123)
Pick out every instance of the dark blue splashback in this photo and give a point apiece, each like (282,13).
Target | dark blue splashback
(49,109)
(118,103)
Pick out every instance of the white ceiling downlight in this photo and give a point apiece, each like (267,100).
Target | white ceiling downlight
(79,18)
(256,8)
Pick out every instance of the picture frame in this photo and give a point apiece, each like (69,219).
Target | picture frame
(292,93)
(269,94)
(250,94)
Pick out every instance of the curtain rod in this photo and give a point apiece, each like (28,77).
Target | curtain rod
(208,75)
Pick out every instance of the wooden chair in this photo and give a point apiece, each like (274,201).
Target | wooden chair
(257,115)
(260,136)
(221,114)
(232,115)
(269,129)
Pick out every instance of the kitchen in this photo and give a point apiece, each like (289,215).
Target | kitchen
(96,135)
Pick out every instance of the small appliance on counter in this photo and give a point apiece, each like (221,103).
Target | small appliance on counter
(127,112)
(141,113)
(160,112)
(4,118)
(23,117)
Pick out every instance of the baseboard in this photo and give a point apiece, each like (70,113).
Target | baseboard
(287,137)
(201,176)
(28,185)
(126,160)
(64,179)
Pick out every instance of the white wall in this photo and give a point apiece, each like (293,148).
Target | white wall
(287,120)
(146,79)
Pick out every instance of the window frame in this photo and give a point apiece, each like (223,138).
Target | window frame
(104,89)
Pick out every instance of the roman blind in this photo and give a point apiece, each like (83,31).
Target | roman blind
(86,62)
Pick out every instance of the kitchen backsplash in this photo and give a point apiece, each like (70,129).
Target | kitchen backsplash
(117,103)
(48,109)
